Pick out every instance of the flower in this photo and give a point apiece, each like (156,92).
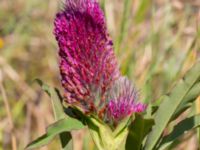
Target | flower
(89,71)
(88,65)
(123,101)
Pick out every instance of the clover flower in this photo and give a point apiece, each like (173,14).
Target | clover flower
(88,66)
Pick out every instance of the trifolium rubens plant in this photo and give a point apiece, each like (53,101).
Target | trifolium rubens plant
(97,96)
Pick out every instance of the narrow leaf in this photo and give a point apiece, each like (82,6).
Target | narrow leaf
(63,125)
(170,103)
(56,103)
(56,100)
(137,132)
(186,102)
(181,128)
(44,86)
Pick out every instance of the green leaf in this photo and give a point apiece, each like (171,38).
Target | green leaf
(95,126)
(137,132)
(67,124)
(170,103)
(185,104)
(57,104)
(105,138)
(44,86)
(123,124)
(181,128)
(187,101)
(56,100)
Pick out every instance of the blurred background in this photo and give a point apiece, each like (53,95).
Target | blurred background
(156,42)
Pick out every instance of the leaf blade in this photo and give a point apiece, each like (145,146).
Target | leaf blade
(137,131)
(186,102)
(56,100)
(171,102)
(67,124)
(182,127)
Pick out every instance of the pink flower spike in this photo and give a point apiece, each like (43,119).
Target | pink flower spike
(123,101)
(88,66)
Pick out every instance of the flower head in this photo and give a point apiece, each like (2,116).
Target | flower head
(123,101)
(88,65)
